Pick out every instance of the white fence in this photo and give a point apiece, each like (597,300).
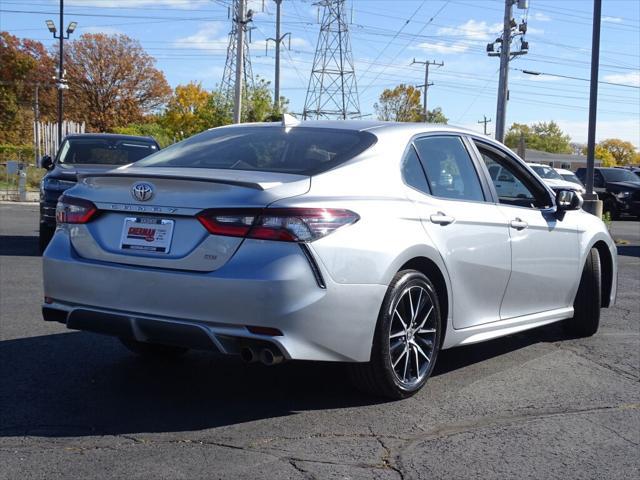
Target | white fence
(46,136)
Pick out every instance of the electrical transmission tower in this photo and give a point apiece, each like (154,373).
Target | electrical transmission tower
(240,19)
(332,91)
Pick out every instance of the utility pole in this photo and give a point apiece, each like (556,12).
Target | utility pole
(509,32)
(426,83)
(36,124)
(279,38)
(237,103)
(591,202)
(485,121)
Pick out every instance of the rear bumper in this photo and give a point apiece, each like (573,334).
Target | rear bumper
(268,284)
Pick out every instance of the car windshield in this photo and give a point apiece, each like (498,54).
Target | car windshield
(619,175)
(570,177)
(546,172)
(77,151)
(298,150)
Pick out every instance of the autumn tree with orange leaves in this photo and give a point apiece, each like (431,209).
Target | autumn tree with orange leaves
(112,82)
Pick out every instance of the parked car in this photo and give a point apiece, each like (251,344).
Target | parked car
(569,176)
(618,188)
(372,243)
(78,153)
(554,179)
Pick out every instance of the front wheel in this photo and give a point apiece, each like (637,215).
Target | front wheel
(406,341)
(586,306)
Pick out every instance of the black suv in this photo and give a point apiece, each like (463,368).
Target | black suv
(83,153)
(618,188)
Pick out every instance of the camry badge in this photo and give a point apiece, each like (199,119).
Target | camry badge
(142,191)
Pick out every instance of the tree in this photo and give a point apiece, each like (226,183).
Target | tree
(436,116)
(24,63)
(148,129)
(186,113)
(112,81)
(547,137)
(624,153)
(401,104)
(602,154)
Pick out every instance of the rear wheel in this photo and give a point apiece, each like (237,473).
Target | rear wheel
(153,349)
(44,237)
(588,301)
(406,341)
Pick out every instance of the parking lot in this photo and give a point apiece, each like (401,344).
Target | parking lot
(532,405)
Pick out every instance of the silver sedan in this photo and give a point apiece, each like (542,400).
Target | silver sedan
(376,244)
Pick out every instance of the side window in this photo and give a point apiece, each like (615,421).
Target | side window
(412,171)
(513,186)
(449,168)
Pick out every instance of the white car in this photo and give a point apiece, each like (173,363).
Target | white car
(554,179)
(370,243)
(569,176)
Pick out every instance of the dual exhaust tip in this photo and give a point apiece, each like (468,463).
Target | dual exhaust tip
(267,355)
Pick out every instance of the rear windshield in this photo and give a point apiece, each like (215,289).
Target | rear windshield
(104,151)
(299,150)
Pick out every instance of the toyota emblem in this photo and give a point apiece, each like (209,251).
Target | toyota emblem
(142,191)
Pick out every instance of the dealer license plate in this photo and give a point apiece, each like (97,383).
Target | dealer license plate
(147,234)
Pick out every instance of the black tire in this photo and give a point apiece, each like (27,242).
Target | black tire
(588,301)
(153,350)
(44,237)
(378,376)
(609,206)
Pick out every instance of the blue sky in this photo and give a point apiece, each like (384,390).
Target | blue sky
(189,38)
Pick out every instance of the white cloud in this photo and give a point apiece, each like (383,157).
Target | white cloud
(472,30)
(442,47)
(631,78)
(211,36)
(541,17)
(612,19)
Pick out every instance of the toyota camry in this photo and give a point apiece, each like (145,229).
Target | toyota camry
(370,243)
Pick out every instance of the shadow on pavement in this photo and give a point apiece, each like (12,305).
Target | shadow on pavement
(19,246)
(77,384)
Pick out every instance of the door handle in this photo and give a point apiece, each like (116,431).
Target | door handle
(519,224)
(441,219)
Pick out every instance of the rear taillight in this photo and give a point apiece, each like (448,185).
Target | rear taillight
(282,224)
(74,210)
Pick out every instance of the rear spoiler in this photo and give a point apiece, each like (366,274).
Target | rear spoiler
(238,183)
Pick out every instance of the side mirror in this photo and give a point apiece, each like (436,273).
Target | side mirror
(46,162)
(568,200)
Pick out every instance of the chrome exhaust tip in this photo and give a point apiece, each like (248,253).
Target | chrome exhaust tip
(248,355)
(270,357)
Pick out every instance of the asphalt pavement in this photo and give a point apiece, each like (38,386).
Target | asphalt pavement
(533,405)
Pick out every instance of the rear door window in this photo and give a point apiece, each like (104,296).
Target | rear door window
(449,168)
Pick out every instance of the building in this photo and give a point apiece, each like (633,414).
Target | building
(568,161)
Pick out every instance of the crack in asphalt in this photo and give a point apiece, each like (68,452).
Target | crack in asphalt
(386,458)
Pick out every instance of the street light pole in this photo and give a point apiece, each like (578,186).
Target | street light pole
(591,202)
(59,78)
(61,75)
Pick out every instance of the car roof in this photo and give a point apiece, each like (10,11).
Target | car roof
(366,125)
(108,136)
(563,170)
(538,165)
